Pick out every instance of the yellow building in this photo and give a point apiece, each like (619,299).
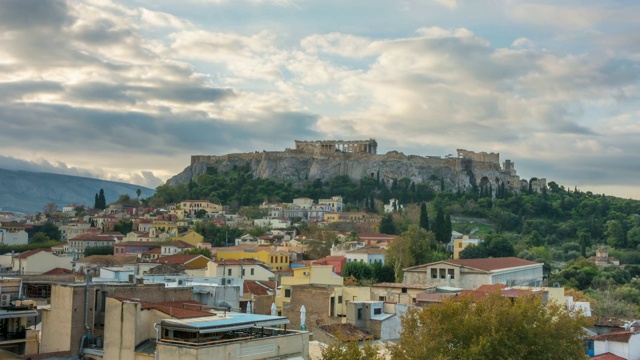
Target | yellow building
(193,206)
(462,243)
(190,237)
(332,217)
(165,226)
(322,276)
(275,259)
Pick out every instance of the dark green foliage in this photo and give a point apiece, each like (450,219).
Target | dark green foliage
(123,226)
(98,250)
(440,226)
(424,217)
(198,251)
(387,226)
(102,201)
(49,229)
(6,249)
(474,252)
(372,273)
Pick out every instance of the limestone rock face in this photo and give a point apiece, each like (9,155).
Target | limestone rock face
(300,168)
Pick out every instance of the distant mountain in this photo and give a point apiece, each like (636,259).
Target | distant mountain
(28,192)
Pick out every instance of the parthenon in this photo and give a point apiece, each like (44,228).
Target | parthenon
(346,146)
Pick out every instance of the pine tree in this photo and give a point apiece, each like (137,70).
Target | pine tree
(424,217)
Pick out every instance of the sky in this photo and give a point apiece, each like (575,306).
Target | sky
(129,90)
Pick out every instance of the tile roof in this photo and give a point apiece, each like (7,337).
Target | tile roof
(177,309)
(620,336)
(486,264)
(30,253)
(118,260)
(401,285)
(259,287)
(58,271)
(368,250)
(177,259)
(490,264)
(606,356)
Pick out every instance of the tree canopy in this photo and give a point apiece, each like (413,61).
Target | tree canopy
(493,327)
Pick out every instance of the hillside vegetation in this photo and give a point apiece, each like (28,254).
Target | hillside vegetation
(558,226)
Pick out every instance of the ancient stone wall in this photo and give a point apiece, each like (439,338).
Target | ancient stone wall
(481,156)
(345,146)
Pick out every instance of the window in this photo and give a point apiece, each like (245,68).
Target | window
(287,293)
(434,273)
(377,311)
(443,273)
(404,290)
(382,298)
(360,314)
(460,244)
(451,273)
(229,272)
(242,272)
(252,271)
(340,299)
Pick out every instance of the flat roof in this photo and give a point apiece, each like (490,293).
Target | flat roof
(232,321)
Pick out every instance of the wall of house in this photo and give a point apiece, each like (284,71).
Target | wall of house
(121,329)
(42,262)
(14,238)
(317,302)
(518,276)
(280,347)
(57,322)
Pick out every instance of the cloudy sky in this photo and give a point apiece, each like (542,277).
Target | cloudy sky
(128,90)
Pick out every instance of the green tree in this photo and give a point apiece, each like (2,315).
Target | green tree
(493,327)
(474,252)
(124,226)
(98,250)
(39,237)
(350,349)
(51,230)
(138,193)
(198,251)
(615,234)
(440,226)
(387,225)
(424,217)
(359,270)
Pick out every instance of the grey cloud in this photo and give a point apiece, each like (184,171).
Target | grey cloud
(33,14)
(17,89)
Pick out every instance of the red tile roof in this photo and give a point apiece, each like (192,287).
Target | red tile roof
(487,288)
(259,287)
(177,259)
(58,271)
(621,336)
(177,309)
(490,264)
(607,356)
(30,253)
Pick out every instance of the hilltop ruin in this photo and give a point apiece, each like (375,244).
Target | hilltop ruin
(326,159)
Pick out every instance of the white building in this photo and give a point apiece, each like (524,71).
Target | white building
(367,255)
(625,344)
(14,238)
(393,205)
(469,274)
(335,203)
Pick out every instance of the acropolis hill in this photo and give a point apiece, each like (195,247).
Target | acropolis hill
(326,159)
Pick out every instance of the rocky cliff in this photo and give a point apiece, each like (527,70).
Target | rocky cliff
(299,167)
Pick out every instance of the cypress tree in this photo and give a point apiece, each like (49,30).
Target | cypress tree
(102,201)
(448,228)
(439,227)
(96,202)
(424,217)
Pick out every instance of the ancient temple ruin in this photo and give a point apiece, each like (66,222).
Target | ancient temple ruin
(345,146)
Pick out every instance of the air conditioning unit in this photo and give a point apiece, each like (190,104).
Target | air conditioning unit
(180,282)
(5,300)
(305,273)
